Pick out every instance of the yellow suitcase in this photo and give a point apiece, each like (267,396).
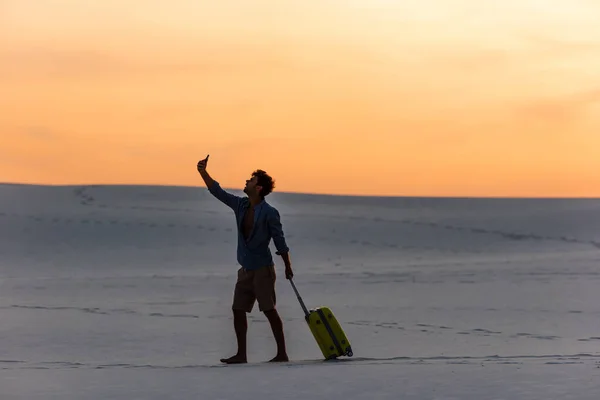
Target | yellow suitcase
(326,329)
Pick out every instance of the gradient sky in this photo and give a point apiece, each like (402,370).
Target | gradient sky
(419,97)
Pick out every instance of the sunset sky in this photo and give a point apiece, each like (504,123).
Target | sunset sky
(371,97)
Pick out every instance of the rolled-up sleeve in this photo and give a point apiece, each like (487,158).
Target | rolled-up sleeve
(227,198)
(276,230)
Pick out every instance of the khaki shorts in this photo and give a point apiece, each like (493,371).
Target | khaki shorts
(255,285)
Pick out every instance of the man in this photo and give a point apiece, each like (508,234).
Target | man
(257,223)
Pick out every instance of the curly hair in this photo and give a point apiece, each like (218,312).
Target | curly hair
(265,181)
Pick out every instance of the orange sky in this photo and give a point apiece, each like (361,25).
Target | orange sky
(428,97)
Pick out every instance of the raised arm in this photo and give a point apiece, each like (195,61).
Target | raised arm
(208,181)
(215,189)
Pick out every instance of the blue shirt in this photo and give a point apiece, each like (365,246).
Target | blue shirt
(254,252)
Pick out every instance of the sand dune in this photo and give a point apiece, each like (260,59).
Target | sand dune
(139,278)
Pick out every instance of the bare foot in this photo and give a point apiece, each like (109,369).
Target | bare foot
(280,358)
(237,359)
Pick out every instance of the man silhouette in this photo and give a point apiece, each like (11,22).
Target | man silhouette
(257,223)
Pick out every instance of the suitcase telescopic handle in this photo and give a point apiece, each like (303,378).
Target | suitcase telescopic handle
(300,299)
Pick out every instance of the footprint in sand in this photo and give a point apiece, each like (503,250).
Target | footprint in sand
(593,338)
(479,330)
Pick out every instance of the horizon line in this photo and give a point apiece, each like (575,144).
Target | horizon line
(287,192)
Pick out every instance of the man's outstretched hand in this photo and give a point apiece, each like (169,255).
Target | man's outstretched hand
(202,164)
(208,181)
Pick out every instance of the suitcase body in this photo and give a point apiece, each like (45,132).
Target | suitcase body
(328,333)
(326,329)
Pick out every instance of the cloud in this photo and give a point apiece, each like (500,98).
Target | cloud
(71,60)
(36,133)
(559,111)
(20,148)
(40,133)
(552,46)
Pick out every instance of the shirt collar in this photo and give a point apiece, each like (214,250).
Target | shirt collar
(258,206)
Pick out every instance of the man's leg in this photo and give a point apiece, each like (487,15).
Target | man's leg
(243,301)
(264,284)
(277,328)
(240,324)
